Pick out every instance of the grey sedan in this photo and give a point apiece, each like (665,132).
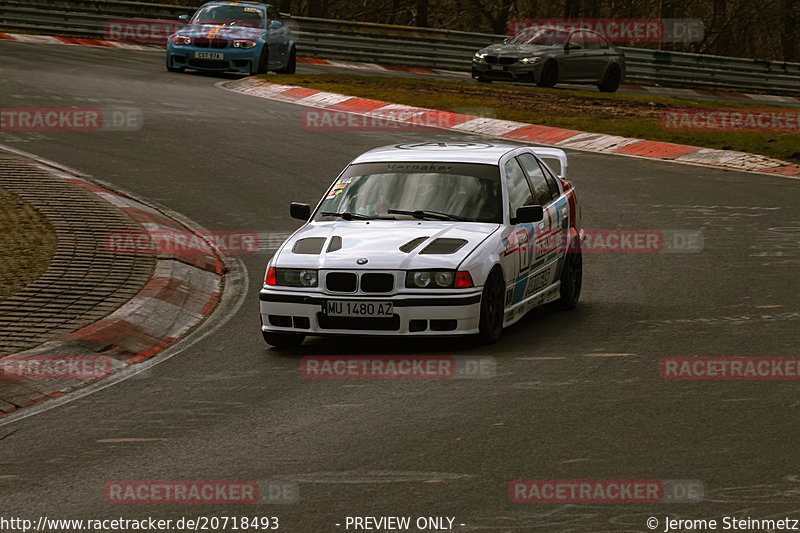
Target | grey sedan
(552,55)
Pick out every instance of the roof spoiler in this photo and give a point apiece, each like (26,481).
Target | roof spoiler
(555,158)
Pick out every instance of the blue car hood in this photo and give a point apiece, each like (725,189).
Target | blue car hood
(222,32)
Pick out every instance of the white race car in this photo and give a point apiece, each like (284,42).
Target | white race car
(428,239)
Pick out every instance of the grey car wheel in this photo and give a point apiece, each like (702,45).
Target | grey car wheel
(611,79)
(549,76)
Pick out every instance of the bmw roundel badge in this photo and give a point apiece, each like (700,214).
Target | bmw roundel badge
(362,260)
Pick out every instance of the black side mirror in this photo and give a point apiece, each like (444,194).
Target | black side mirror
(184,18)
(528,213)
(300,211)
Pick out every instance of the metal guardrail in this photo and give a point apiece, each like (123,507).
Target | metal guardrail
(408,46)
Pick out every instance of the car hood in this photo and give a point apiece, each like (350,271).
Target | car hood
(221,32)
(386,245)
(518,50)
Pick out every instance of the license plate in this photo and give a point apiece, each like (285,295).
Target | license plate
(208,55)
(364,309)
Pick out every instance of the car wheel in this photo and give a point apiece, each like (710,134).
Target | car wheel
(611,79)
(291,65)
(571,278)
(283,340)
(262,62)
(173,69)
(490,327)
(549,76)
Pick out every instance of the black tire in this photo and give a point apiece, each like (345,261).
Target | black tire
(174,69)
(291,66)
(571,278)
(483,80)
(549,76)
(263,60)
(490,327)
(611,79)
(283,340)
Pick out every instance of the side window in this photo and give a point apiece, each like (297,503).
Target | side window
(576,41)
(519,192)
(593,41)
(540,187)
(551,180)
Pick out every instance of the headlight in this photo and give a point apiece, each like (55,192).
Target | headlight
(430,279)
(181,39)
(295,277)
(481,55)
(529,60)
(244,43)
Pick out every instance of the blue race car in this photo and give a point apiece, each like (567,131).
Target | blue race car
(244,37)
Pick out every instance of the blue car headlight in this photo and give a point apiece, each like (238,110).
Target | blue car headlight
(244,43)
(181,39)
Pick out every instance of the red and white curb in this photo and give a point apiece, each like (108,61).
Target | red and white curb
(518,131)
(183,291)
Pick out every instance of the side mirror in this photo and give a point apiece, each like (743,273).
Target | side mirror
(301,211)
(529,213)
(275,24)
(184,18)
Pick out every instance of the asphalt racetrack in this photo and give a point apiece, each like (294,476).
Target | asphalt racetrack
(576,395)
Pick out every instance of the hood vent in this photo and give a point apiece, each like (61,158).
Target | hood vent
(335,244)
(310,246)
(410,245)
(444,246)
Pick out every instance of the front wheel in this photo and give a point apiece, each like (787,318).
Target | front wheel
(291,65)
(262,67)
(283,340)
(173,69)
(549,76)
(611,80)
(490,327)
(571,278)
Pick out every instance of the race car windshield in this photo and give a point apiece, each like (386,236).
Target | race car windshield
(441,191)
(541,37)
(230,16)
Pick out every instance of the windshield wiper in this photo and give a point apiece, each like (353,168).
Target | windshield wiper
(427,214)
(347,215)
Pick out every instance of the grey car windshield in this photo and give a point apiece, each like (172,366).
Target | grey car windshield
(542,37)
(458,191)
(230,15)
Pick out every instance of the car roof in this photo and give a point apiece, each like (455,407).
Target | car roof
(452,152)
(232,2)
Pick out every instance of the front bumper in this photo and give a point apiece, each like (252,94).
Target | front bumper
(233,59)
(418,314)
(515,72)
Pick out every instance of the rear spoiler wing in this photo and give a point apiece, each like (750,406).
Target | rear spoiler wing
(555,158)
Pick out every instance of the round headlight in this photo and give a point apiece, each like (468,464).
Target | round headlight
(308,279)
(422,279)
(444,279)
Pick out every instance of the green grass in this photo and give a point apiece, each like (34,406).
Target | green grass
(616,114)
